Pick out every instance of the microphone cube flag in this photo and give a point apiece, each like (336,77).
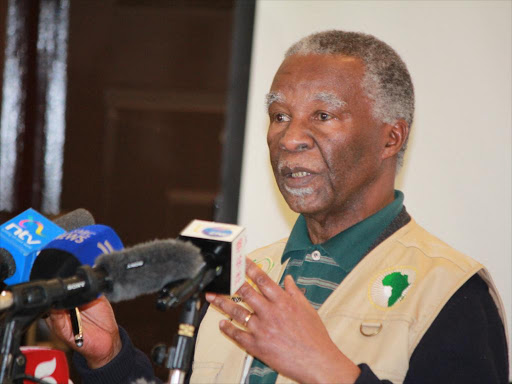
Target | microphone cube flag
(62,256)
(222,245)
(23,236)
(46,364)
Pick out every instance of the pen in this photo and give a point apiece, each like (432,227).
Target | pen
(76,324)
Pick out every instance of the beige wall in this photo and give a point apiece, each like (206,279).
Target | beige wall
(457,174)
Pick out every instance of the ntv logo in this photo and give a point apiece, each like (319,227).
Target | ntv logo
(23,234)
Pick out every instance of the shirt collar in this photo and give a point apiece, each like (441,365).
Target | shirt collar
(349,246)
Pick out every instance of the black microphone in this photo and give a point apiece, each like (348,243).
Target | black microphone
(222,247)
(7,264)
(62,256)
(122,275)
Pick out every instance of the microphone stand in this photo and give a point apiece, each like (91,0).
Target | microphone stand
(184,341)
(5,351)
(12,360)
(178,359)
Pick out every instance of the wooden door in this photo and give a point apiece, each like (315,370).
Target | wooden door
(147,85)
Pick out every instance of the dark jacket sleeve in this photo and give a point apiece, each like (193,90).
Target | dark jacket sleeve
(127,367)
(465,344)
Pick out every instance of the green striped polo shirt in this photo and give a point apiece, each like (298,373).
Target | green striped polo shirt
(319,268)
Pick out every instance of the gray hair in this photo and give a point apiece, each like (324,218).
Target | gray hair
(386,81)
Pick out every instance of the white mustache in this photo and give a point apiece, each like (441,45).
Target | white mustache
(282,164)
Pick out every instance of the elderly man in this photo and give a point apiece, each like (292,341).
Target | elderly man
(359,292)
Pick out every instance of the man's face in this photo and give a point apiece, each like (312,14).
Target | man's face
(325,146)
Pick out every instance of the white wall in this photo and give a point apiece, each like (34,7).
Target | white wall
(457,174)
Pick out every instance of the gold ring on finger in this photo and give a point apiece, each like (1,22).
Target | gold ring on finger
(247,318)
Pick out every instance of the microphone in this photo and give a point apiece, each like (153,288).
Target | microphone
(80,217)
(149,267)
(23,236)
(48,365)
(122,275)
(222,246)
(62,256)
(224,271)
(7,264)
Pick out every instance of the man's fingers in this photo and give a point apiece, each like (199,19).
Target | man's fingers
(291,288)
(242,338)
(234,311)
(265,284)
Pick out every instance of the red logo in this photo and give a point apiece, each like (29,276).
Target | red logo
(46,364)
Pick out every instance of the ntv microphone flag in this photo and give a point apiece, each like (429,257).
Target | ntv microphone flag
(24,236)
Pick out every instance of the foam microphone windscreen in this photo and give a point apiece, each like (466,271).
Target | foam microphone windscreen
(149,267)
(75,219)
(7,264)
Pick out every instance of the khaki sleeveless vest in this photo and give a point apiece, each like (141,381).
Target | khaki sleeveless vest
(412,270)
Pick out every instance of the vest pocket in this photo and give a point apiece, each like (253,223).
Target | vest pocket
(381,343)
(205,372)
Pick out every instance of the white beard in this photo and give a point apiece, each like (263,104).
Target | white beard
(300,192)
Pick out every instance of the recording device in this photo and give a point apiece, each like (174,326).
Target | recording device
(22,238)
(122,275)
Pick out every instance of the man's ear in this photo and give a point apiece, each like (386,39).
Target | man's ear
(394,138)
